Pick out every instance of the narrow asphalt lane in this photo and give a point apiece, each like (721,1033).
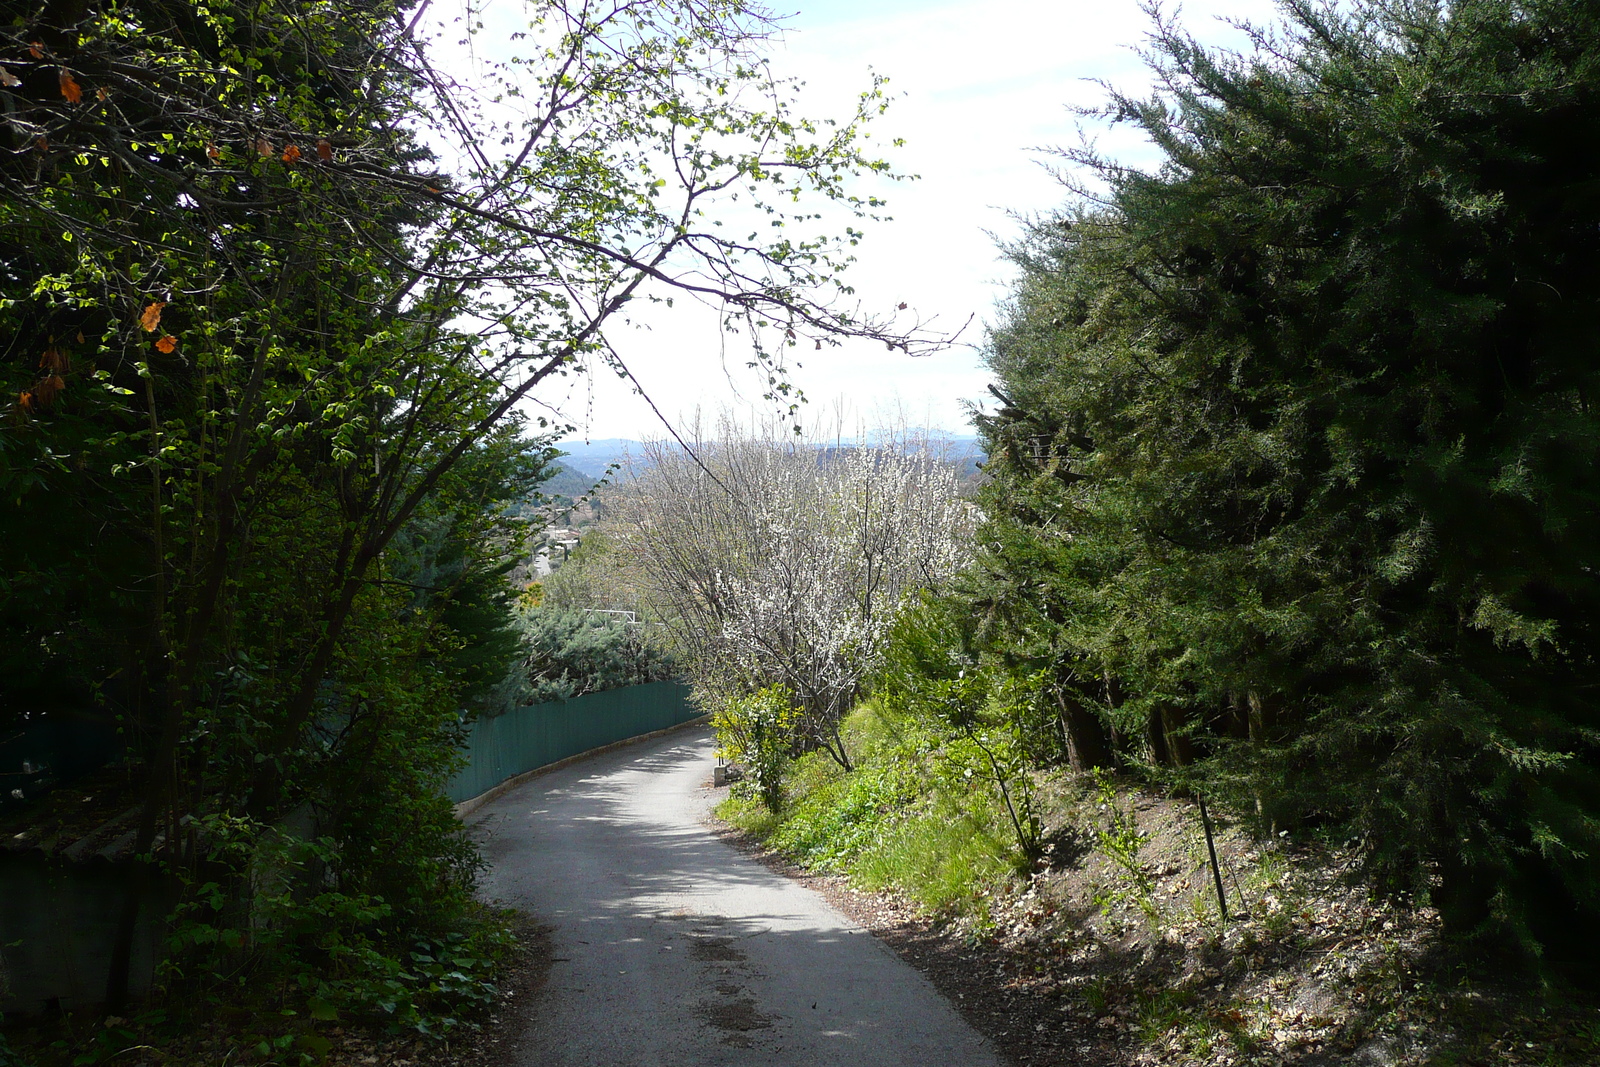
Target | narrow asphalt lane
(674,950)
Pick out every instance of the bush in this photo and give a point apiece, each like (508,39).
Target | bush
(758,733)
(570,652)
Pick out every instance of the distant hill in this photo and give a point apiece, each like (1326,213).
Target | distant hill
(590,458)
(566,481)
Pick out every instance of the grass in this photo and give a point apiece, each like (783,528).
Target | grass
(899,820)
(941,862)
(1124,912)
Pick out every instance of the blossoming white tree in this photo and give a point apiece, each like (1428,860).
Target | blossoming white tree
(782,562)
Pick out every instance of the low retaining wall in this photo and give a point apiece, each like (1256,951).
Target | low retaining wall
(538,735)
(58,918)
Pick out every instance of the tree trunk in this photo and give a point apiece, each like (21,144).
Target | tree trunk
(1180,746)
(1084,733)
(1263,718)
(1263,715)
(1170,744)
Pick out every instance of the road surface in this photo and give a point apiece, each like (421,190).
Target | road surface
(674,950)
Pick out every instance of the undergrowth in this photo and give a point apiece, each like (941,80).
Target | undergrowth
(288,1011)
(1115,938)
(904,819)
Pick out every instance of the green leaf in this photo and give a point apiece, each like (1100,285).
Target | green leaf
(322,1010)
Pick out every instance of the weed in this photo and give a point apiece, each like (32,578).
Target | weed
(750,815)
(1278,923)
(889,822)
(1096,996)
(939,858)
(1161,1011)
(1201,912)
(837,816)
(1120,842)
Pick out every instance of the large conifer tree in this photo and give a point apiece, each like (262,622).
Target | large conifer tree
(1296,477)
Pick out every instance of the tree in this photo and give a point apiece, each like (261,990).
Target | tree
(779,562)
(570,652)
(1296,440)
(268,345)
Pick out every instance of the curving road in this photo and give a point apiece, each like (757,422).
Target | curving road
(674,950)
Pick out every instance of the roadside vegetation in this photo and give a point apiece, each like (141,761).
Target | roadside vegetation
(1289,470)
(1283,552)
(275,288)
(1109,946)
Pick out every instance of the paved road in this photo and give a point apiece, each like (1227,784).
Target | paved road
(673,950)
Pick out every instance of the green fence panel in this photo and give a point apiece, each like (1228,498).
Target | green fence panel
(534,736)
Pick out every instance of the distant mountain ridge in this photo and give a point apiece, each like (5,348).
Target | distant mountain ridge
(591,458)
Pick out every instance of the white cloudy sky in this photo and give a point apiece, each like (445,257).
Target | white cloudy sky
(980,88)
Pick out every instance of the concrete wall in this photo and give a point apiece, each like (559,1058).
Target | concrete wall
(57,924)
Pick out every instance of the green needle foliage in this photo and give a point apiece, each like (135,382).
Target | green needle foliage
(568,652)
(1295,466)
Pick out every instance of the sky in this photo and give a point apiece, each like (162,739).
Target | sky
(982,91)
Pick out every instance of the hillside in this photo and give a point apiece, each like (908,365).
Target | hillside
(591,458)
(1110,949)
(567,481)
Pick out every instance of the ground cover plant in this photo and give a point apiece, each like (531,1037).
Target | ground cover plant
(1110,947)
(885,822)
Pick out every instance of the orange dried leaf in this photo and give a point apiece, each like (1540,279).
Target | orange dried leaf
(36,49)
(25,401)
(213,153)
(325,151)
(80,337)
(151,317)
(291,155)
(167,343)
(70,88)
(53,360)
(8,79)
(41,144)
(101,94)
(263,146)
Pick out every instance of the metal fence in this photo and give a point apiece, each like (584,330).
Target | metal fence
(540,734)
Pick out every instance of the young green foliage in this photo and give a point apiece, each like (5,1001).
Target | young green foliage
(267,353)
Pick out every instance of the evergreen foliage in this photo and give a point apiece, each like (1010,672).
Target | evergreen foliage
(1294,466)
(567,652)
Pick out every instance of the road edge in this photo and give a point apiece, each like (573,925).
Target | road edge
(472,804)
